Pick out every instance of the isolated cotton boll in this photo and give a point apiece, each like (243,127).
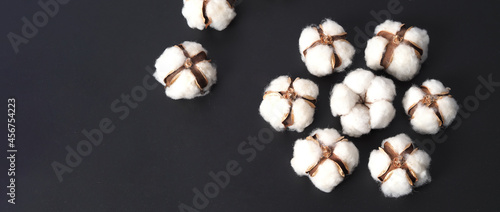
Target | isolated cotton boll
(399,166)
(326,157)
(430,107)
(324,49)
(289,104)
(214,13)
(364,102)
(398,48)
(185,71)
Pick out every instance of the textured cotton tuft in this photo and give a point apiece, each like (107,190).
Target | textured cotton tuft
(322,144)
(320,50)
(289,104)
(185,85)
(411,163)
(430,107)
(364,102)
(406,60)
(219,12)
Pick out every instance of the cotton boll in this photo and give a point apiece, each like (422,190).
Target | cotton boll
(399,172)
(303,115)
(321,157)
(381,89)
(359,80)
(342,99)
(411,97)
(364,102)
(378,163)
(430,107)
(318,58)
(424,121)
(397,185)
(448,108)
(327,176)
(221,14)
(328,136)
(305,154)
(405,62)
(280,94)
(184,87)
(381,114)
(375,48)
(356,122)
(218,11)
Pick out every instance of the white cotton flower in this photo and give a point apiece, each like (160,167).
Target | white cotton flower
(203,13)
(399,166)
(326,157)
(289,104)
(364,102)
(430,107)
(320,45)
(185,71)
(408,49)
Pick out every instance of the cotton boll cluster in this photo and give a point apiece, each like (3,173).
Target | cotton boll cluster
(325,157)
(399,166)
(364,102)
(397,48)
(430,107)
(203,13)
(324,48)
(289,104)
(185,71)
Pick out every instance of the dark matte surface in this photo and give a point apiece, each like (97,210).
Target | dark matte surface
(91,53)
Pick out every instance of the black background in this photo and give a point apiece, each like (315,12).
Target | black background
(92,52)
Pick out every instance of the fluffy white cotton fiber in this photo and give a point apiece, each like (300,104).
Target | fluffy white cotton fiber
(399,166)
(289,104)
(319,43)
(321,156)
(430,107)
(406,60)
(180,71)
(203,13)
(364,102)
